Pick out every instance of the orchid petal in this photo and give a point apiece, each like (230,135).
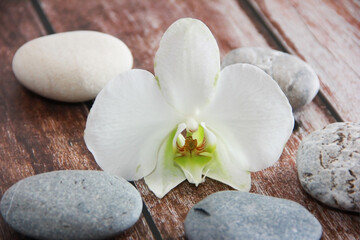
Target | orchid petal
(252,114)
(178,137)
(187,65)
(210,139)
(166,175)
(127,123)
(226,169)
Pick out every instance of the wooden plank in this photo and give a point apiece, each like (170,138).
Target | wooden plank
(140,24)
(37,135)
(327,35)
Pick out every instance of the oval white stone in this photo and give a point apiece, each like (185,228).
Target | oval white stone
(71,66)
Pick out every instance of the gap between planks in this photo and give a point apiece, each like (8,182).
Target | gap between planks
(286,48)
(249,4)
(50,30)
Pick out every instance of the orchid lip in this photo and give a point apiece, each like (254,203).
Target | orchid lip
(192,152)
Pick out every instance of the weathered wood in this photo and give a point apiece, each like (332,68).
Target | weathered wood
(327,36)
(37,135)
(140,24)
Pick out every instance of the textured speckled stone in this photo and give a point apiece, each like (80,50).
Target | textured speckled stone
(71,205)
(241,215)
(296,78)
(71,66)
(328,163)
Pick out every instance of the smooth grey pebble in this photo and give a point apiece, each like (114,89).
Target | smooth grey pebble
(295,77)
(241,215)
(72,204)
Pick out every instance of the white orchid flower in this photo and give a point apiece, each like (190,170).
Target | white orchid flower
(189,120)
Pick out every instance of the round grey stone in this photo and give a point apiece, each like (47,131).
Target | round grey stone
(242,215)
(328,164)
(296,78)
(71,205)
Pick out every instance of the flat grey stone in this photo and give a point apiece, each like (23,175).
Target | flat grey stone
(71,205)
(296,78)
(328,163)
(242,215)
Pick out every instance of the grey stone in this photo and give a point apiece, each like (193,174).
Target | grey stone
(296,78)
(71,205)
(328,164)
(242,215)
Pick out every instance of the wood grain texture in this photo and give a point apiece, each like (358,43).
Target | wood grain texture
(140,24)
(327,35)
(37,135)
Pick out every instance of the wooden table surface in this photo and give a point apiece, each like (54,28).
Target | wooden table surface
(39,135)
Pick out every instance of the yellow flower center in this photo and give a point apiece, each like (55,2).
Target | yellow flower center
(190,144)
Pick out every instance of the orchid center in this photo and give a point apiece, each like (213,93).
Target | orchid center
(193,148)
(190,144)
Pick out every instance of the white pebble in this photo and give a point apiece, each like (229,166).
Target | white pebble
(71,66)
